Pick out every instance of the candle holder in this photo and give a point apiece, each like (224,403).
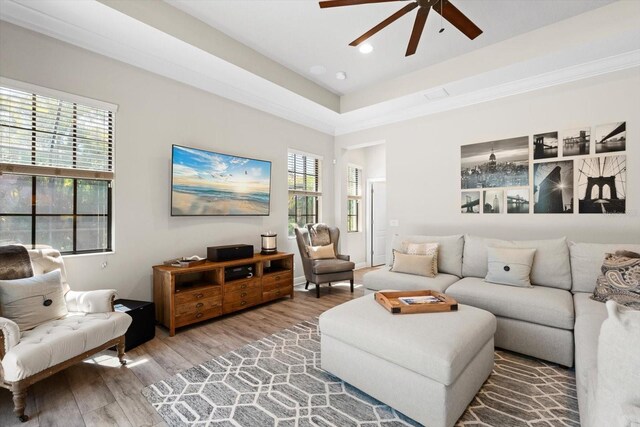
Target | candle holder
(269,243)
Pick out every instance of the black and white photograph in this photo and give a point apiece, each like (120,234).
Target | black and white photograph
(553,187)
(545,145)
(576,142)
(470,202)
(602,184)
(611,137)
(502,163)
(493,202)
(518,201)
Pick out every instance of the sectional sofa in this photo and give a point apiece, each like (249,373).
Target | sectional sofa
(555,320)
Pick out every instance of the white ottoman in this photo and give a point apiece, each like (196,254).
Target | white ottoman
(427,366)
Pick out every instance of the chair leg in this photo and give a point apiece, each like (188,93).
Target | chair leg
(19,392)
(306,286)
(317,290)
(120,347)
(351,285)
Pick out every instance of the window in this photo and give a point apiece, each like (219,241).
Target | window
(56,170)
(354,198)
(304,190)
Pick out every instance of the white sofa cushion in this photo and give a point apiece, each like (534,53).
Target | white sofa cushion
(449,250)
(436,345)
(538,304)
(381,279)
(589,317)
(618,381)
(31,301)
(60,340)
(586,262)
(550,268)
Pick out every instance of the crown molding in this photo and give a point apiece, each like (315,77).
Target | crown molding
(89,24)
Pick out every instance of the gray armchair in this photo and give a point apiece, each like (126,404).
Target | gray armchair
(323,270)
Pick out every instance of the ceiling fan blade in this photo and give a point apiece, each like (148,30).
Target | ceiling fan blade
(337,3)
(408,8)
(458,19)
(418,26)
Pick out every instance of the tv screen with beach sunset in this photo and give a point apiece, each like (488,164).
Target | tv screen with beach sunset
(209,183)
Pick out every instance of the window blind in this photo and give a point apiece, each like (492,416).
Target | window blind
(303,173)
(41,135)
(354,182)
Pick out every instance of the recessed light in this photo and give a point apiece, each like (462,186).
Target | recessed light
(365,48)
(341,75)
(317,70)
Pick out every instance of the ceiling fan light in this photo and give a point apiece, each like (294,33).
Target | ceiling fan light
(365,48)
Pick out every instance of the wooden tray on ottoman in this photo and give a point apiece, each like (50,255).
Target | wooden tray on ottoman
(389,300)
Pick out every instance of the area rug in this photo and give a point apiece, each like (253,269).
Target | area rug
(277,381)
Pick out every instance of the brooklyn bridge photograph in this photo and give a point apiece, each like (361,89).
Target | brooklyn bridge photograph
(576,142)
(470,202)
(518,200)
(553,187)
(545,145)
(502,163)
(602,184)
(611,137)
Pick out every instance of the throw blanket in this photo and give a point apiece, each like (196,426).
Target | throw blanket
(319,234)
(14,263)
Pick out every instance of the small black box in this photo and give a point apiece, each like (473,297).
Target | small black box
(229,252)
(143,327)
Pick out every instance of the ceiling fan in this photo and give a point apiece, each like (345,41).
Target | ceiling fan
(444,7)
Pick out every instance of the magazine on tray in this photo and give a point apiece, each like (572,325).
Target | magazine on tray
(429,299)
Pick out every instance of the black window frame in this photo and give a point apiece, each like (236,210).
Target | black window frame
(74,216)
(302,195)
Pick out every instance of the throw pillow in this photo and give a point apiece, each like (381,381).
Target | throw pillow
(411,248)
(510,266)
(321,252)
(620,279)
(420,265)
(33,301)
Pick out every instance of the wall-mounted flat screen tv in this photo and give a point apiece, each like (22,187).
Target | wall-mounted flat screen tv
(209,183)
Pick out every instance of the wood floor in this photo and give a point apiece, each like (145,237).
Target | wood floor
(99,392)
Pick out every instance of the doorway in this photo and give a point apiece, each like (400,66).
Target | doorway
(378,223)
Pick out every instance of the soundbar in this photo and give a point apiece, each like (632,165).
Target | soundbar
(229,252)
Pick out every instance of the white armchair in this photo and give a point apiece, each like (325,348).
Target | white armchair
(91,326)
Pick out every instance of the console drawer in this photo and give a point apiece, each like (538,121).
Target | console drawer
(239,300)
(197,316)
(197,306)
(284,277)
(186,296)
(241,285)
(276,293)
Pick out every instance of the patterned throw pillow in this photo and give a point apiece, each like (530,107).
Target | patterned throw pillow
(430,249)
(620,280)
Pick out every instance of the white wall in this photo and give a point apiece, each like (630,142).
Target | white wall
(154,113)
(423,160)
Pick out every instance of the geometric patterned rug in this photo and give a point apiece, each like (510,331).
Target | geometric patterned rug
(277,381)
